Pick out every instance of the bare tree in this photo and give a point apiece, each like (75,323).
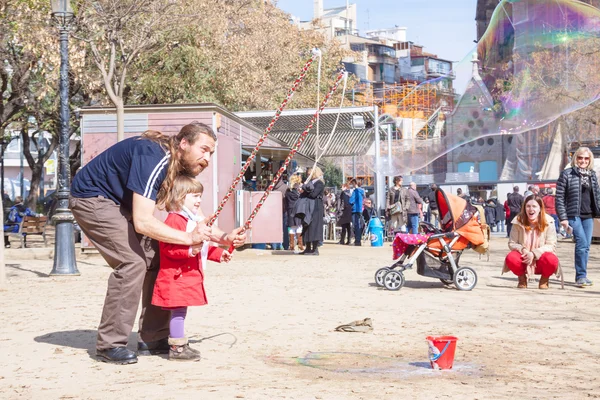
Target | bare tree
(117,32)
(243,55)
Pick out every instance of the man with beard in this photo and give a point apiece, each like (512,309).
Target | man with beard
(113,199)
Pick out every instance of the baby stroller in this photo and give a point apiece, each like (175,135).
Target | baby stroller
(436,252)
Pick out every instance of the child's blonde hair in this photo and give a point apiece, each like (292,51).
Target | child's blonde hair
(182,186)
(316,173)
(294,179)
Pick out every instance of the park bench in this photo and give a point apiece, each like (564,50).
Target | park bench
(30,226)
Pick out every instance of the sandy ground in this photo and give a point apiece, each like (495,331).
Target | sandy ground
(268,333)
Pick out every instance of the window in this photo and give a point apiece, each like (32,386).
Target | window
(488,171)
(14,146)
(357,47)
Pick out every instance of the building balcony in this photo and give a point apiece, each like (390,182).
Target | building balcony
(462,177)
(437,73)
(375,59)
(412,77)
(447,92)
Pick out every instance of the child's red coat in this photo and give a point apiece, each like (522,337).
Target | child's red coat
(180,280)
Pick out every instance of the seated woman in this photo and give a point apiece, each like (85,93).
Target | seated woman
(532,243)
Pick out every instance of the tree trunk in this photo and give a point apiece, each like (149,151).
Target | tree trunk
(36,165)
(120,120)
(34,191)
(2,266)
(75,159)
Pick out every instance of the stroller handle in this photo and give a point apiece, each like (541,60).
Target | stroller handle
(447,235)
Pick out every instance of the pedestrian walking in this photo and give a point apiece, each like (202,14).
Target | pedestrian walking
(344,214)
(577,204)
(356,200)
(397,204)
(415,211)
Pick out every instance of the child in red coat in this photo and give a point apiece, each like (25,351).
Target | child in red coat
(180,281)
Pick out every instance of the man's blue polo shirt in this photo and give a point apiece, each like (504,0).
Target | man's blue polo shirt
(134,165)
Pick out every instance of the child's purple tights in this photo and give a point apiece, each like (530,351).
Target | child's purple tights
(176,327)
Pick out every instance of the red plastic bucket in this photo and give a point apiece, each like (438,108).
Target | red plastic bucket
(441,351)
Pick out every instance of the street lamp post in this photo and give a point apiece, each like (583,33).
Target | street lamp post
(64,247)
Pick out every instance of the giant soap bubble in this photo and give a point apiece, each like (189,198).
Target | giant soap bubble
(538,60)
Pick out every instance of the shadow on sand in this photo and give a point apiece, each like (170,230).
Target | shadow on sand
(79,339)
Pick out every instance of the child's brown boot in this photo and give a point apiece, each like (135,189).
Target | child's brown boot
(522,282)
(180,350)
(544,282)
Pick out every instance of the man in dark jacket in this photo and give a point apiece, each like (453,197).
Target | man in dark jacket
(515,201)
(356,199)
(500,216)
(344,214)
(489,209)
(415,211)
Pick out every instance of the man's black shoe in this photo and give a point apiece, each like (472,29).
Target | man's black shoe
(358,244)
(153,348)
(117,355)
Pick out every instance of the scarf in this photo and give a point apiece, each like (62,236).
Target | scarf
(193,220)
(585,177)
(532,241)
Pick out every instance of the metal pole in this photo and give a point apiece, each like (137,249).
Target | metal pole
(389,138)
(22,169)
(42,149)
(379,184)
(2,143)
(64,247)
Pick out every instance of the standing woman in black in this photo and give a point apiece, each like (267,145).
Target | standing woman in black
(314,190)
(577,204)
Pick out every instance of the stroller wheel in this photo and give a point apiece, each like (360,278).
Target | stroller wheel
(446,281)
(465,278)
(393,280)
(380,274)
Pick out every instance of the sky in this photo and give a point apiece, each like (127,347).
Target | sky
(445,27)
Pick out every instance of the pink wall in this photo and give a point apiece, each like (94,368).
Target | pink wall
(101,134)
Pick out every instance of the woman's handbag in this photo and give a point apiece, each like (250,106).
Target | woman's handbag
(396,208)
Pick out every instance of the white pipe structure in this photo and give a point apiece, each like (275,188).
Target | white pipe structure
(379,182)
(317,9)
(389,138)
